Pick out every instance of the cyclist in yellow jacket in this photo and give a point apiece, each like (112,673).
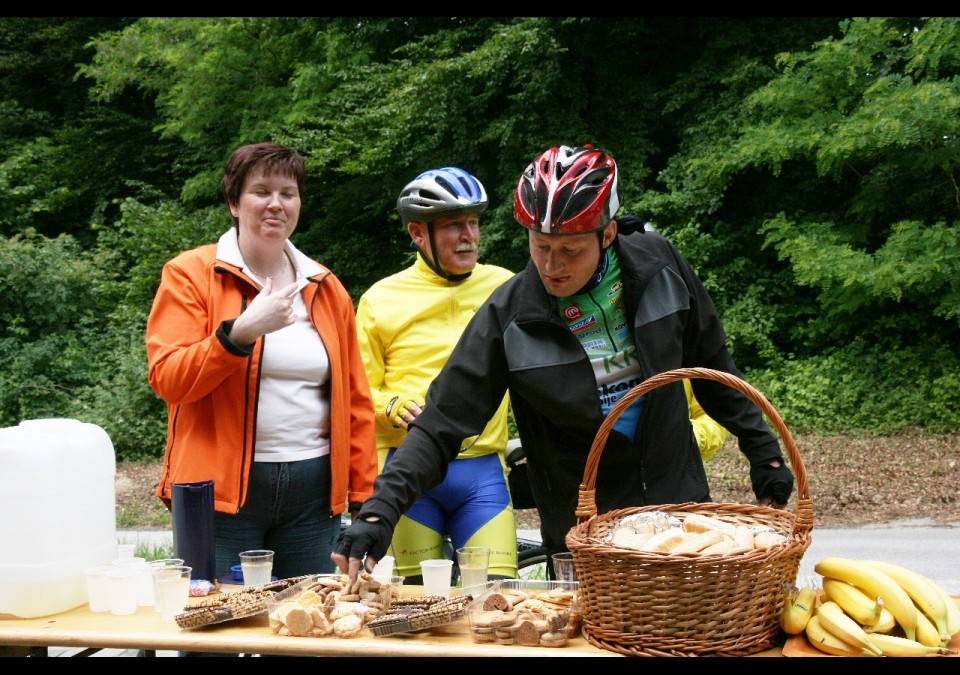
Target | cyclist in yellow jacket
(407,325)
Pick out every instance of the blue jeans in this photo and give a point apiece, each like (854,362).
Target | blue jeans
(288,512)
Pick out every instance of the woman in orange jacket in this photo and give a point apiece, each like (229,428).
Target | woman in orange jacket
(253,347)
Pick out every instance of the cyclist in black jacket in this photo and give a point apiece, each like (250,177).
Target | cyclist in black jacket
(600,307)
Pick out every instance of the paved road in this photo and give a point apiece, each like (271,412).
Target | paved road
(931,550)
(924,547)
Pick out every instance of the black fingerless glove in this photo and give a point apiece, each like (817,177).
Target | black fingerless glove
(364,538)
(773,482)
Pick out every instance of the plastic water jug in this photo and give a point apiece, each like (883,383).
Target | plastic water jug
(58,506)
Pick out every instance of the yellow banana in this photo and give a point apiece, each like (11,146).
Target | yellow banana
(860,606)
(884,624)
(827,642)
(894,645)
(836,621)
(873,582)
(797,608)
(921,590)
(953,611)
(927,633)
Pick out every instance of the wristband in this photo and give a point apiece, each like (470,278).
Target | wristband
(393,402)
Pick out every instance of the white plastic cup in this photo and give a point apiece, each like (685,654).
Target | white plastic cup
(144,581)
(153,565)
(128,562)
(436,576)
(383,570)
(257,567)
(165,562)
(124,584)
(173,588)
(474,563)
(126,550)
(396,586)
(98,592)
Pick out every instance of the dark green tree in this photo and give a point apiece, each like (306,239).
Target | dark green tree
(829,201)
(806,166)
(64,156)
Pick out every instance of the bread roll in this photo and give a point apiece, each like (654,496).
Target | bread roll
(768,539)
(664,541)
(628,537)
(744,537)
(725,545)
(694,542)
(696,522)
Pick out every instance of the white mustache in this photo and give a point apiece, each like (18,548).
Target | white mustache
(465,248)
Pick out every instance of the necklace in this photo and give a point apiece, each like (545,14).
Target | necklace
(275,276)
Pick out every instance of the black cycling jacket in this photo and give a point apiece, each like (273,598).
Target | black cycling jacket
(518,342)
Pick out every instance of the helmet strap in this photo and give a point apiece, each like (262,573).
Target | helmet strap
(433,261)
(598,274)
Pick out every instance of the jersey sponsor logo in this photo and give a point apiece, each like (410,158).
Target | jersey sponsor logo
(611,393)
(594,344)
(593,331)
(572,312)
(615,288)
(584,323)
(625,359)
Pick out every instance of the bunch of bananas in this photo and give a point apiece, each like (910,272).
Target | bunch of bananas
(872,608)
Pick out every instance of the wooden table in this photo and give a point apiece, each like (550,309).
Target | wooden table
(146,630)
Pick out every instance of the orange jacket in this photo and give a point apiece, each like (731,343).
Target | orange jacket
(211,385)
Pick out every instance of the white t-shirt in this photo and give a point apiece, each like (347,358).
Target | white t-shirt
(293,419)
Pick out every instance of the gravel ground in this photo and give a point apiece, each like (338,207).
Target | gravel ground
(852,481)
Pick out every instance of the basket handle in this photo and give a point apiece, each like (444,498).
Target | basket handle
(587,503)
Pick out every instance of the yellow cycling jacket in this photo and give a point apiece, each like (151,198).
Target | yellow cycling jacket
(408,323)
(710,435)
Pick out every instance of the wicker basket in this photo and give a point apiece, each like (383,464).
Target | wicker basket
(654,604)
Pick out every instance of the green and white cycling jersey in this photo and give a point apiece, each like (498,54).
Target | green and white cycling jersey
(597,317)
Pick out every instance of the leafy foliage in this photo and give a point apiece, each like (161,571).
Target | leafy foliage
(884,388)
(49,324)
(807,167)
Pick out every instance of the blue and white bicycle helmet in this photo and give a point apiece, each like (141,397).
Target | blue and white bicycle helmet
(441,192)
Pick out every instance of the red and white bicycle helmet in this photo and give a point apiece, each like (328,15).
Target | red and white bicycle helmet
(568,191)
(441,192)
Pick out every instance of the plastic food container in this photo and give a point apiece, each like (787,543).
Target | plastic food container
(326,605)
(530,613)
(413,613)
(232,605)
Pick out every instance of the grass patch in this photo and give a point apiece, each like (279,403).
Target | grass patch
(151,515)
(533,572)
(154,551)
